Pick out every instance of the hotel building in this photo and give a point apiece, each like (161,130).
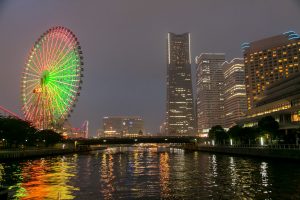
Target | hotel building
(209,88)
(235,101)
(272,77)
(180,110)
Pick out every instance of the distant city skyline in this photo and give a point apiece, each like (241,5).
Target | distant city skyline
(123,44)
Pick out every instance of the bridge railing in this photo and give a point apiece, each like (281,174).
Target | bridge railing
(268,146)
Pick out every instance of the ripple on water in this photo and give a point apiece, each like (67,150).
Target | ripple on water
(139,173)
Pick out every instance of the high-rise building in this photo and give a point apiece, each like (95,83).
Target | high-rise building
(272,68)
(180,110)
(123,126)
(269,60)
(235,101)
(209,87)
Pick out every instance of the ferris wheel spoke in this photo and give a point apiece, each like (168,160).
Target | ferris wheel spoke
(36,107)
(56,101)
(56,50)
(30,68)
(37,70)
(31,80)
(60,50)
(30,88)
(28,100)
(64,76)
(52,49)
(44,55)
(49,56)
(65,83)
(27,105)
(62,89)
(39,57)
(30,74)
(62,53)
(65,62)
(60,70)
(61,58)
(49,104)
(47,50)
(31,110)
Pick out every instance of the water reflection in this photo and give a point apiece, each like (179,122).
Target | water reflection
(264,173)
(146,173)
(164,174)
(41,179)
(107,176)
(232,168)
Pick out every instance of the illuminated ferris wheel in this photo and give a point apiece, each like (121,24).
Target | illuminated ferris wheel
(52,78)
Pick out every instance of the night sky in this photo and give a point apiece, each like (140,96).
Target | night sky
(124,45)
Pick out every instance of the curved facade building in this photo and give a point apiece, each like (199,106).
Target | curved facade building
(235,101)
(272,69)
(280,100)
(269,60)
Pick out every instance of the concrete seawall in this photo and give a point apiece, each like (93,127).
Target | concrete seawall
(282,153)
(29,153)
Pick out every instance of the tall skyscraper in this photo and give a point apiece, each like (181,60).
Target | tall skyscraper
(269,60)
(209,87)
(235,101)
(180,110)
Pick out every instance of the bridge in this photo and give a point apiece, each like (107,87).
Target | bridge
(136,140)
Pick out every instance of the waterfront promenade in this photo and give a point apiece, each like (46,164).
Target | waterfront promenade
(8,154)
(282,151)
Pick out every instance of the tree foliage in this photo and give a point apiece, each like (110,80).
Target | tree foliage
(234,132)
(268,126)
(218,134)
(49,137)
(14,132)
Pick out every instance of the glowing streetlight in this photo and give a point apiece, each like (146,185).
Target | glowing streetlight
(261,141)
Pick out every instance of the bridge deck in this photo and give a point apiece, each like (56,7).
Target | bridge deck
(136,140)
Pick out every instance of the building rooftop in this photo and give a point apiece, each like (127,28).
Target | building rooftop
(270,42)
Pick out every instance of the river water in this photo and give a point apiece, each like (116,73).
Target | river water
(151,173)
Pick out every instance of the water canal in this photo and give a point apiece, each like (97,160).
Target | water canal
(150,173)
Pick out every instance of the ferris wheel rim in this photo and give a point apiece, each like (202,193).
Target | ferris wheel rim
(47,75)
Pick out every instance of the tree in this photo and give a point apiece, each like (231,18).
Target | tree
(49,137)
(235,132)
(218,134)
(268,127)
(248,135)
(15,131)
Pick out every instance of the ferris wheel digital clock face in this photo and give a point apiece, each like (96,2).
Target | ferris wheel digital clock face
(52,78)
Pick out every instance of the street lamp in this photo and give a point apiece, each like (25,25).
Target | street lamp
(261,141)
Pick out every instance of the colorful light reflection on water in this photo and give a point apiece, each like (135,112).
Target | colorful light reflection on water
(146,172)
